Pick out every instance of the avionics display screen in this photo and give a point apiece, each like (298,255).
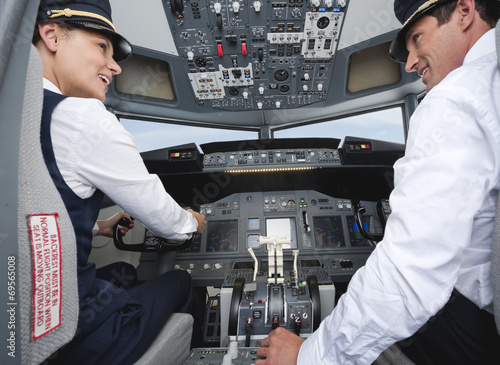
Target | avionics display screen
(328,232)
(253,224)
(280,227)
(253,241)
(357,240)
(222,236)
(310,263)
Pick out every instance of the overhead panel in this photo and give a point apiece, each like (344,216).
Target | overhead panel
(253,63)
(247,55)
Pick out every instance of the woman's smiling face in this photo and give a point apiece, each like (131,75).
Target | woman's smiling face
(84,64)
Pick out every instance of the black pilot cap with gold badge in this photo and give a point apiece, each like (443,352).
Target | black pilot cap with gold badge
(94,14)
(407,11)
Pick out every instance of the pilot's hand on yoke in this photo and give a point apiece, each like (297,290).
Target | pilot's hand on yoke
(106,227)
(281,347)
(201,221)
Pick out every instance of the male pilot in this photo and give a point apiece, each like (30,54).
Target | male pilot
(427,285)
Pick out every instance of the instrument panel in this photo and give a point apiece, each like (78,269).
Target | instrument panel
(246,191)
(321,227)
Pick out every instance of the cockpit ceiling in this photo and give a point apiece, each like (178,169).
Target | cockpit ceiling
(257,63)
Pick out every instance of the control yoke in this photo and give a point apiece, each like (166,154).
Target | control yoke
(358,212)
(161,244)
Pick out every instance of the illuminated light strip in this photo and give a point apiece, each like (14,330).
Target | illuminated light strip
(279,169)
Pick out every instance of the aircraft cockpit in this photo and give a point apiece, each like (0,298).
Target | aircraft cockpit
(289,221)
(278,120)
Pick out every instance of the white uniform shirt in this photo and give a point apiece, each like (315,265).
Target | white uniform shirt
(94,151)
(439,233)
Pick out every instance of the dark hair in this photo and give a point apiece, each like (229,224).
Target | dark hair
(67,27)
(489,11)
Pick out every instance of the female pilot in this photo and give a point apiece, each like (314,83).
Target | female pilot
(88,154)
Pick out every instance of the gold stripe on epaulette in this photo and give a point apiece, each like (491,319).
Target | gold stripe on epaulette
(69,13)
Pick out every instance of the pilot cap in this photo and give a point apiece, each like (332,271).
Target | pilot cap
(94,14)
(407,11)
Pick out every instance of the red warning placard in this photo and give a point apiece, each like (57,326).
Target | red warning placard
(46,248)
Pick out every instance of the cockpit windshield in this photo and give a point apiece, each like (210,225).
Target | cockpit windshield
(385,125)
